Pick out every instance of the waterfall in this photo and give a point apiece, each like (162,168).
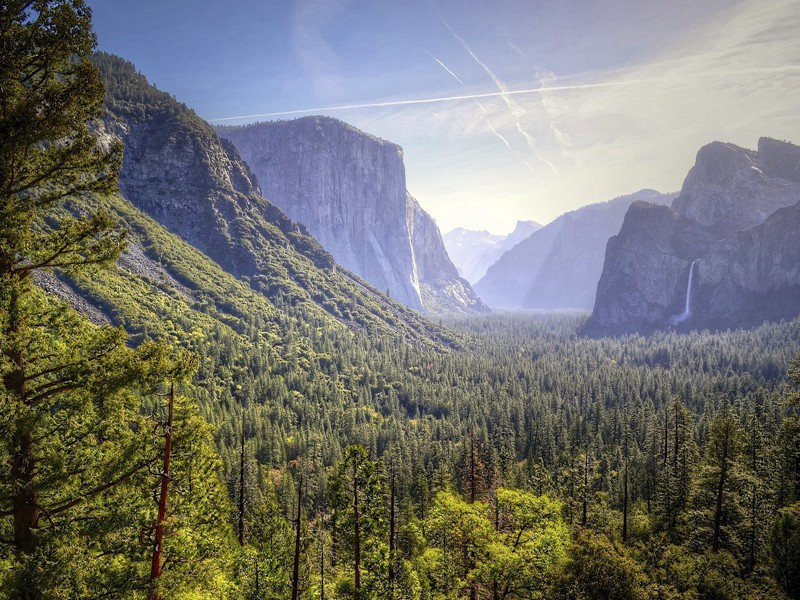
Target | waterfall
(687,309)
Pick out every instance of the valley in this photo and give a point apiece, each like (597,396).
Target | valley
(243,361)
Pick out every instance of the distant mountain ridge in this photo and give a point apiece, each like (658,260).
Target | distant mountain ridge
(473,252)
(558,266)
(349,189)
(736,221)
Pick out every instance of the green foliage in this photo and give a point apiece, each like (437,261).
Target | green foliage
(529,542)
(299,367)
(784,540)
(49,91)
(598,568)
(74,398)
(358,499)
(507,548)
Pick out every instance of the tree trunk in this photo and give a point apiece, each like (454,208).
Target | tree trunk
(585,489)
(241,490)
(24,500)
(158,548)
(625,504)
(357,557)
(721,489)
(754,501)
(471,467)
(322,559)
(296,566)
(391,537)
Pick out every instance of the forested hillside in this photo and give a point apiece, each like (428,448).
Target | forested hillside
(184,432)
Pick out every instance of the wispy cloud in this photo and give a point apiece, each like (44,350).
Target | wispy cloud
(604,132)
(316,56)
(514,107)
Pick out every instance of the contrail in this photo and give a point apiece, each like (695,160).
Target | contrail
(489,123)
(529,139)
(513,106)
(521,92)
(456,98)
(444,66)
(494,131)
(503,139)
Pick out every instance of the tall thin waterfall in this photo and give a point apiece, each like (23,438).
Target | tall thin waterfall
(687,309)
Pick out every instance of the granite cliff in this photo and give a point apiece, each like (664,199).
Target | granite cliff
(725,254)
(349,189)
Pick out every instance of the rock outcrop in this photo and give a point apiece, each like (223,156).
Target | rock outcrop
(349,189)
(473,252)
(752,276)
(736,220)
(558,266)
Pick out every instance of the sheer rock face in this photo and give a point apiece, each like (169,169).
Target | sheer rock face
(753,275)
(349,189)
(737,217)
(439,283)
(559,265)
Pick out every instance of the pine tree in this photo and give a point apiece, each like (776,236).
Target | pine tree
(63,406)
(358,499)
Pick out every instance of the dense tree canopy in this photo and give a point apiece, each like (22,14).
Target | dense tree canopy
(225,445)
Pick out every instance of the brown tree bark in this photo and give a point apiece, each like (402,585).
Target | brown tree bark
(296,565)
(357,553)
(391,537)
(241,489)
(24,500)
(721,488)
(158,547)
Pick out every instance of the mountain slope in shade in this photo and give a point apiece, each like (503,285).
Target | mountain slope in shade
(349,189)
(559,265)
(473,252)
(735,220)
(177,171)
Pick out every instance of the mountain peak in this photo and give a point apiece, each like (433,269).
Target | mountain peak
(730,188)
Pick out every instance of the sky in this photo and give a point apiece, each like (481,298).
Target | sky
(505,109)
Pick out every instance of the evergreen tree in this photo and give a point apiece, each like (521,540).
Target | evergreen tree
(358,500)
(65,416)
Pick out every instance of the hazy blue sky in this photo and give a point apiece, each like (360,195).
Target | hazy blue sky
(539,106)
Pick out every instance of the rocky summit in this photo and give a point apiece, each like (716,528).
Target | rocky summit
(349,189)
(725,255)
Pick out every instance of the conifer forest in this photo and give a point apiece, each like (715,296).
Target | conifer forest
(293,433)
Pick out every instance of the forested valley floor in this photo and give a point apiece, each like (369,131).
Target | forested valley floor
(174,430)
(530,463)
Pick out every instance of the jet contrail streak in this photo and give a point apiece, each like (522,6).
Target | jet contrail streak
(389,103)
(512,106)
(522,92)
(532,146)
(444,66)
